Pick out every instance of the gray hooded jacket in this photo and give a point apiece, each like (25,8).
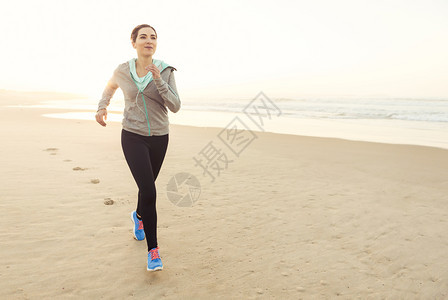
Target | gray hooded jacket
(159,95)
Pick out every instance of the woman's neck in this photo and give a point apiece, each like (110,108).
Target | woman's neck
(140,65)
(143,62)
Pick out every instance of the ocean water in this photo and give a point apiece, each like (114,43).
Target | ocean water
(417,121)
(409,109)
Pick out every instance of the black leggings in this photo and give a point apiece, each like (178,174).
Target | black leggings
(144,155)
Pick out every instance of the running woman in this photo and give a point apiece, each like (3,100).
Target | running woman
(149,89)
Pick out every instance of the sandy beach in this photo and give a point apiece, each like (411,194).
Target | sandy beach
(291,218)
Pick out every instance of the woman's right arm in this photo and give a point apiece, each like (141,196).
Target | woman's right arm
(108,92)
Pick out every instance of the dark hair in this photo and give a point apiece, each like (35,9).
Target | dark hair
(136,29)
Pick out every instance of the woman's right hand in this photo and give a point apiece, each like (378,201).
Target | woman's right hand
(102,113)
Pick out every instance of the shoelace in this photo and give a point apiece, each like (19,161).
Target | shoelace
(154,253)
(140,224)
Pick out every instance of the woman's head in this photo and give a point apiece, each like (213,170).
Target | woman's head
(144,39)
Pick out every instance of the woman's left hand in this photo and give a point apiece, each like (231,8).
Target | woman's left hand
(154,70)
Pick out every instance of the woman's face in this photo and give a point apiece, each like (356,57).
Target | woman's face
(146,42)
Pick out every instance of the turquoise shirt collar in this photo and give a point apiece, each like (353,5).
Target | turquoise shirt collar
(142,82)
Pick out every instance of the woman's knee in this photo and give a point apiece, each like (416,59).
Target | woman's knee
(148,193)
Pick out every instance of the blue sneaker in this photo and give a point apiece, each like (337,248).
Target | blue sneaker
(154,261)
(139,233)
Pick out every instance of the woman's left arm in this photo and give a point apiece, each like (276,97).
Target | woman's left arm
(168,91)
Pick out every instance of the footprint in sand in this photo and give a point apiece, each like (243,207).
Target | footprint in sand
(79,169)
(52,150)
(108,201)
(66,160)
(95,181)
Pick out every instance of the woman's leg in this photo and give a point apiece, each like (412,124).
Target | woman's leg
(157,149)
(145,156)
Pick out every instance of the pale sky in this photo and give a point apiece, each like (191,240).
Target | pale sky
(233,48)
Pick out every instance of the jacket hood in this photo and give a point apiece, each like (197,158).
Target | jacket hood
(142,82)
(162,65)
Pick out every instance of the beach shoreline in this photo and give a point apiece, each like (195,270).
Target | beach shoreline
(362,119)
